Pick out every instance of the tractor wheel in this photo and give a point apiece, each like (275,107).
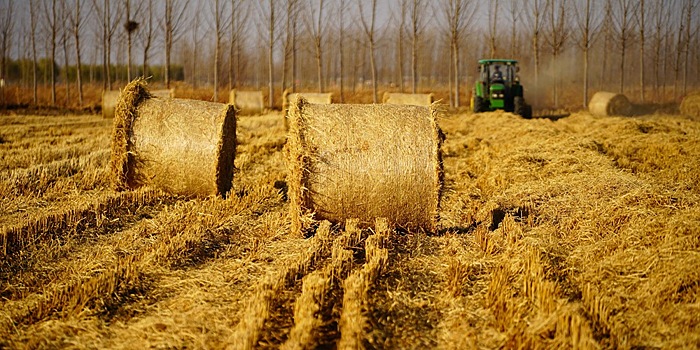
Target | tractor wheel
(521,108)
(478,104)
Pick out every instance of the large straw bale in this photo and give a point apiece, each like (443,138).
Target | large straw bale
(182,146)
(311,97)
(165,93)
(690,105)
(397,98)
(109,102)
(364,161)
(247,102)
(609,103)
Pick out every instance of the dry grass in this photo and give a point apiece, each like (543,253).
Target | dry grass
(580,233)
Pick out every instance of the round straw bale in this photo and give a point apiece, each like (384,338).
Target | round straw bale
(166,93)
(247,102)
(609,103)
(182,146)
(311,97)
(690,106)
(109,102)
(364,161)
(407,99)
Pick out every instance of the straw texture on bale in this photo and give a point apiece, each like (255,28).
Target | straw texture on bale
(310,97)
(365,162)
(247,102)
(407,99)
(181,146)
(690,105)
(109,102)
(609,103)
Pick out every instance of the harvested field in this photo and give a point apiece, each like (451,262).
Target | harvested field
(578,233)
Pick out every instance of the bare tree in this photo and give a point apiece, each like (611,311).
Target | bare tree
(220,24)
(661,18)
(535,17)
(77,22)
(588,24)
(111,15)
(341,31)
(418,7)
(457,16)
(239,11)
(689,10)
(289,41)
(515,13)
(403,10)
(65,18)
(174,13)
(148,36)
(51,22)
(196,21)
(130,26)
(641,17)
(493,27)
(6,24)
(268,16)
(556,37)
(32,33)
(622,20)
(371,41)
(315,27)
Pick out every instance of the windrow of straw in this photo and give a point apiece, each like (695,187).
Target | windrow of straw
(366,162)
(249,330)
(313,307)
(609,103)
(354,322)
(247,102)
(690,105)
(398,98)
(182,146)
(52,226)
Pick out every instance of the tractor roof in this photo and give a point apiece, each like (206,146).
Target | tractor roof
(494,60)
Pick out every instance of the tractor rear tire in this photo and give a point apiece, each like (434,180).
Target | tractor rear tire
(521,108)
(478,104)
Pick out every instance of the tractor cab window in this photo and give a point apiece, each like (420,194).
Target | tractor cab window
(497,75)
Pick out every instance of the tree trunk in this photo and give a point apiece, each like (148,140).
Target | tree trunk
(53,52)
(32,18)
(270,66)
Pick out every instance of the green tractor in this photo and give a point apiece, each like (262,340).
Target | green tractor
(498,87)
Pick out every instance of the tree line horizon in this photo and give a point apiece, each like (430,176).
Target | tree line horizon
(646,49)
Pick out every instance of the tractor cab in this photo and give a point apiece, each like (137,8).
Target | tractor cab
(498,87)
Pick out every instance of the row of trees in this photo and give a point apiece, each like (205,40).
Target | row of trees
(631,46)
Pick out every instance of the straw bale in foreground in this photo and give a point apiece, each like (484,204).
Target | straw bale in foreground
(691,105)
(609,103)
(365,162)
(407,99)
(247,102)
(109,102)
(182,146)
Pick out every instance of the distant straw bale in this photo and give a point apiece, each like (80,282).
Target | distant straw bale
(609,103)
(311,97)
(407,99)
(109,102)
(247,102)
(691,105)
(364,161)
(165,93)
(182,146)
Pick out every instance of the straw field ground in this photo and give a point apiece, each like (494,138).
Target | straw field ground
(578,233)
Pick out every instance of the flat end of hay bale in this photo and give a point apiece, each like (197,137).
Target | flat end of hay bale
(124,114)
(109,102)
(226,152)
